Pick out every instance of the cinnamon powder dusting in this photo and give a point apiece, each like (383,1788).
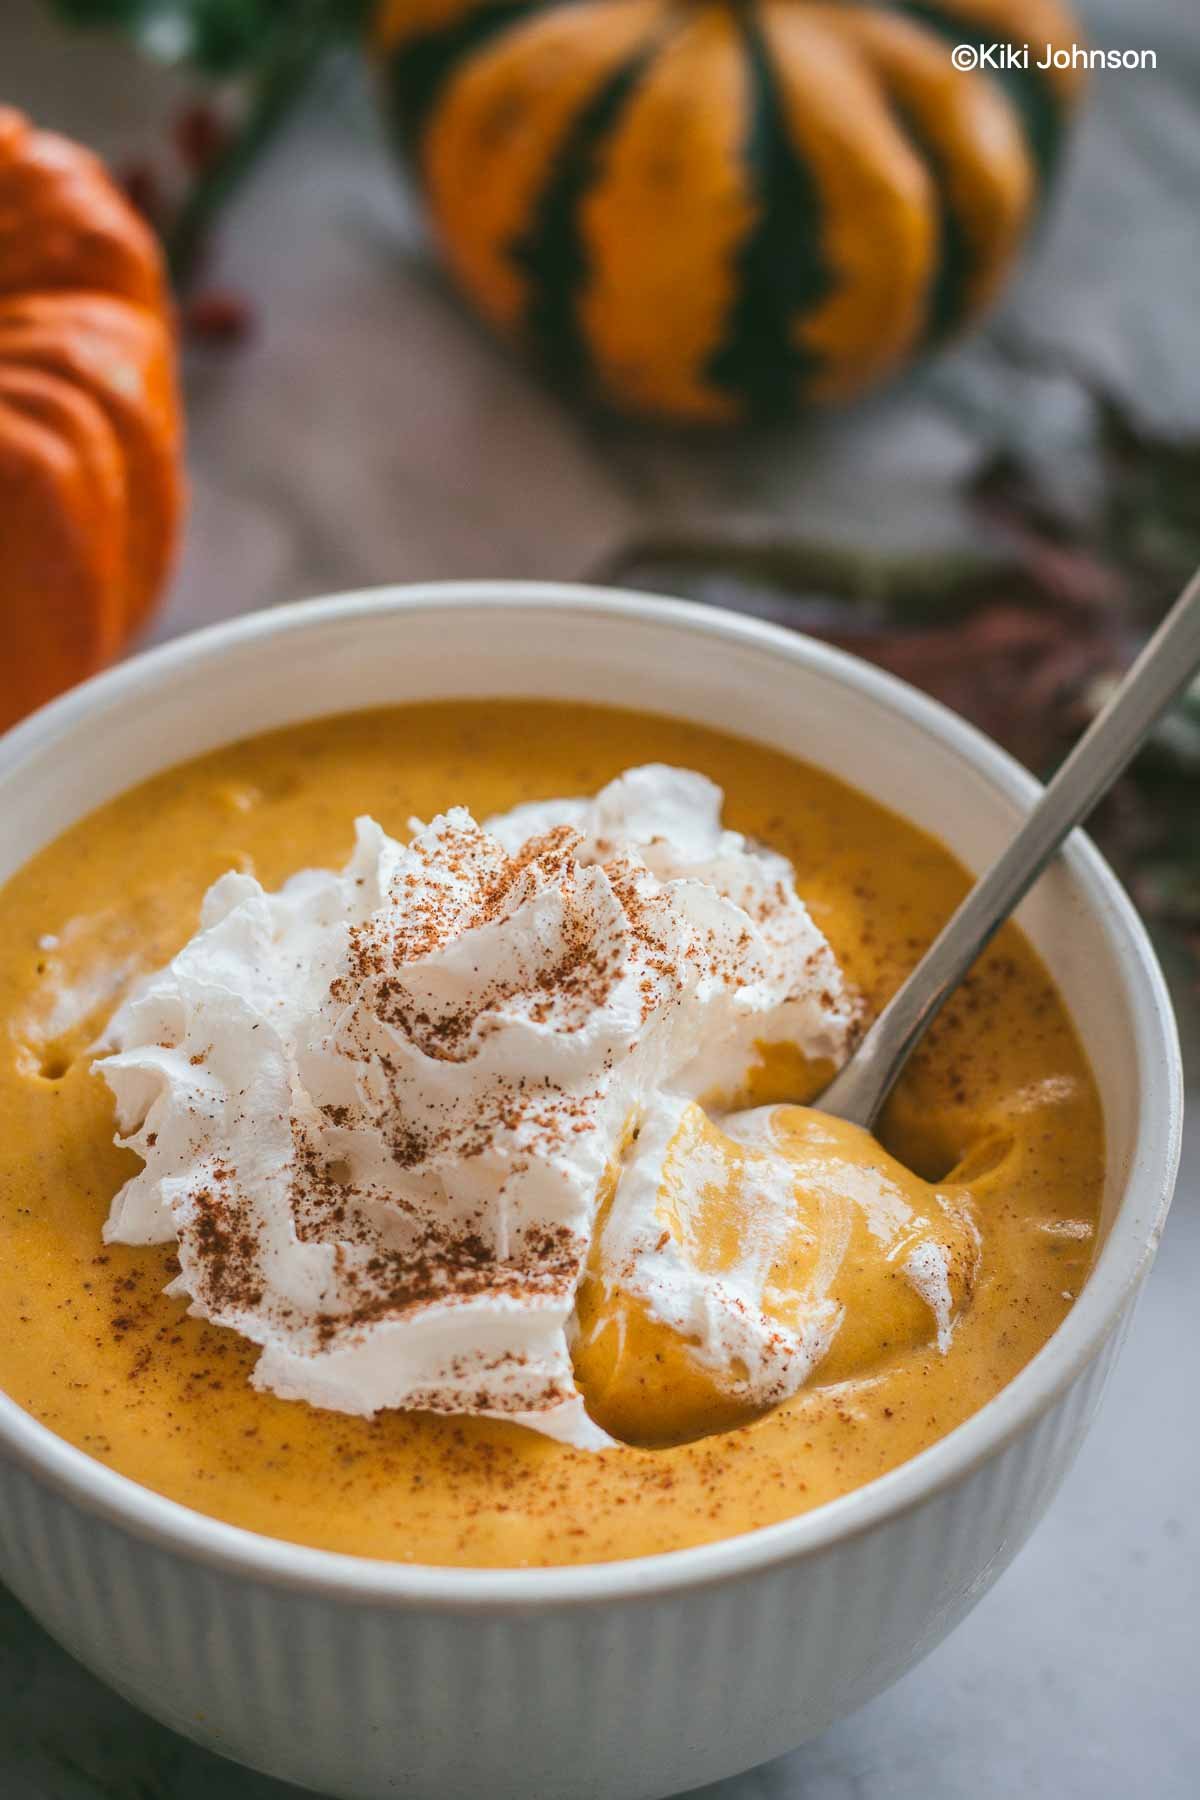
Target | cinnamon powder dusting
(435,1261)
(399,1091)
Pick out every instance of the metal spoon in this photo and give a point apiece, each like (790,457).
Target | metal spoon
(1164,668)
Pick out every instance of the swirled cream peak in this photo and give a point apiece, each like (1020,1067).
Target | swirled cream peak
(378,1108)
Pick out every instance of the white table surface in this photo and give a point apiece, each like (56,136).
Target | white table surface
(368,432)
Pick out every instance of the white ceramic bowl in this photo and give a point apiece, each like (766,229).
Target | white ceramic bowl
(363,1678)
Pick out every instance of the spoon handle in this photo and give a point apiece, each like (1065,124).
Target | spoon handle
(1164,668)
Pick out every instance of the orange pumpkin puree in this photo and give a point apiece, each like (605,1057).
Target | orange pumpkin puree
(1000,1099)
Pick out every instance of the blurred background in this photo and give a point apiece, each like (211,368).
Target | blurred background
(1000,522)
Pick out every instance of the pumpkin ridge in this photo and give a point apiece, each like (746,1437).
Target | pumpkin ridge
(59,556)
(662,275)
(781,279)
(971,141)
(1033,98)
(420,67)
(119,354)
(950,295)
(85,434)
(88,236)
(552,251)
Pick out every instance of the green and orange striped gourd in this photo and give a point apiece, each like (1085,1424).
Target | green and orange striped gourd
(718,209)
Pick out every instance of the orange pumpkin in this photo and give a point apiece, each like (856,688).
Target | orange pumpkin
(90,473)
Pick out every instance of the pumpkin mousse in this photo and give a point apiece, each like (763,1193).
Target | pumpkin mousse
(465,1203)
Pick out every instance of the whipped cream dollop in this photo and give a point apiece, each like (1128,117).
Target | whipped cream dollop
(377,1108)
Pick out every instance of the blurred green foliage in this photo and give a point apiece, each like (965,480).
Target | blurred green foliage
(220,38)
(269,48)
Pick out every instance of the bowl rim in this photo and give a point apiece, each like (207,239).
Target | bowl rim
(232,1550)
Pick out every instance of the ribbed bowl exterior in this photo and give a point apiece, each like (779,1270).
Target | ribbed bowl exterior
(591,1700)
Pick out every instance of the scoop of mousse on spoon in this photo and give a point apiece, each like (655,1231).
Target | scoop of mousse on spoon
(643,1381)
(1164,668)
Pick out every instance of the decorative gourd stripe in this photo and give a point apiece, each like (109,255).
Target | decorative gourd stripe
(782,274)
(419,69)
(950,299)
(1029,92)
(553,252)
